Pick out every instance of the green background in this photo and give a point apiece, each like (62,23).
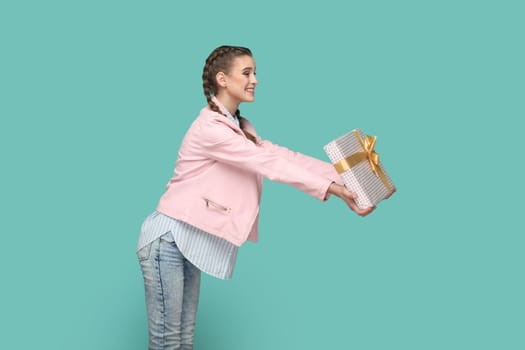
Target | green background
(95,97)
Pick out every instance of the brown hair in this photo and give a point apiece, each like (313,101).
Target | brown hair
(220,60)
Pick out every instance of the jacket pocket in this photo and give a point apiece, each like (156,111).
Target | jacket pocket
(215,205)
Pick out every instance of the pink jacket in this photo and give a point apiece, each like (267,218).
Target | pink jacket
(217,180)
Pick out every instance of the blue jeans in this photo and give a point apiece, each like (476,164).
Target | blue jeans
(172,287)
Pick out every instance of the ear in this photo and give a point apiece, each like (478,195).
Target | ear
(221,79)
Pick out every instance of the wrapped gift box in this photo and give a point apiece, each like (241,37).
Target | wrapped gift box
(358,164)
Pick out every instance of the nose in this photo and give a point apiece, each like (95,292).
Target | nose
(254,80)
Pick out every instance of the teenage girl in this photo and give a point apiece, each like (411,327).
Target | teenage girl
(211,204)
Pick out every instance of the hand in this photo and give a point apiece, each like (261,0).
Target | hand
(349,198)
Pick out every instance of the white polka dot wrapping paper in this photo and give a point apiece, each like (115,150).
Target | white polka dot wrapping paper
(351,155)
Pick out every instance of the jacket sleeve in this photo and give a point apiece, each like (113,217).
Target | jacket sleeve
(324,168)
(220,142)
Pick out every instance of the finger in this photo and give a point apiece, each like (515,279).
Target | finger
(350,195)
(364,211)
(352,204)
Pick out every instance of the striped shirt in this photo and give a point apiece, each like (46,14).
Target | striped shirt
(211,254)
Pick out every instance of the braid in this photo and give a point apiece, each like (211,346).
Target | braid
(248,135)
(208,80)
(219,61)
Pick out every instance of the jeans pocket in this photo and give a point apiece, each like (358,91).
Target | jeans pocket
(167,237)
(144,252)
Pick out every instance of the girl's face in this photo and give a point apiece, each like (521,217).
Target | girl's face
(238,85)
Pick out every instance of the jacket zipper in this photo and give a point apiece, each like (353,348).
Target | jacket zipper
(215,205)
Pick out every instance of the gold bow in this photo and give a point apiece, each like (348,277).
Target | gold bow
(368,144)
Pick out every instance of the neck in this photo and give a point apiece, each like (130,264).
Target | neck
(228,103)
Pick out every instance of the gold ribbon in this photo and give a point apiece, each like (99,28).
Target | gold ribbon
(368,144)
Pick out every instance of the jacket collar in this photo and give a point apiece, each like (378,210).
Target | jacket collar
(232,119)
(234,125)
(222,108)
